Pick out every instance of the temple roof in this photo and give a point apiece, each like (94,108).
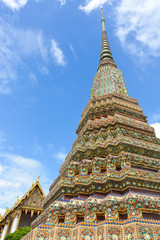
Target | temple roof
(22,201)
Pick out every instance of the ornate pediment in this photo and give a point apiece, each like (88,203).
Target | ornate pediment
(34,198)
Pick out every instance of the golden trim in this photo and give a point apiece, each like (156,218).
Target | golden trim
(148,210)
(100,213)
(78,215)
(111,188)
(32,208)
(123,212)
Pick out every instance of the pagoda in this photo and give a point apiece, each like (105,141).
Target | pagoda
(109,184)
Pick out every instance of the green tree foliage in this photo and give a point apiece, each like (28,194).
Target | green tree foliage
(20,233)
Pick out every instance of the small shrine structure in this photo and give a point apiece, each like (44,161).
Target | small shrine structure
(24,211)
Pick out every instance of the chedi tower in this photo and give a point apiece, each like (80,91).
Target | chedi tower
(109,185)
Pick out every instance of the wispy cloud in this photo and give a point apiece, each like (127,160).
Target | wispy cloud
(57,53)
(1,169)
(59,156)
(16,175)
(2,211)
(16,47)
(21,161)
(93,4)
(16,4)
(62,2)
(73,51)
(138,26)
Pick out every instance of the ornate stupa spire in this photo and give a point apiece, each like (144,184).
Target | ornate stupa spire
(109,184)
(108,79)
(106,55)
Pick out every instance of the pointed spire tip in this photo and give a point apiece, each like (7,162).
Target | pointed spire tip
(102,13)
(106,55)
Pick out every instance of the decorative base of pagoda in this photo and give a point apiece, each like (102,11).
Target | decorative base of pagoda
(107,230)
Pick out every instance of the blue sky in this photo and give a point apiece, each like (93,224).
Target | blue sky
(49,53)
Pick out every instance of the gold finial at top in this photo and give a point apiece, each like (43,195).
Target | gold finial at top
(38,177)
(18,199)
(7,210)
(32,183)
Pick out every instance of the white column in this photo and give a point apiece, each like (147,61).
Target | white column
(14,224)
(4,231)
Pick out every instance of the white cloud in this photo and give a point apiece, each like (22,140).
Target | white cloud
(93,4)
(4,184)
(22,161)
(16,177)
(57,53)
(15,4)
(42,46)
(156,126)
(60,156)
(138,26)
(2,211)
(73,51)
(1,169)
(16,47)
(62,2)
(17,173)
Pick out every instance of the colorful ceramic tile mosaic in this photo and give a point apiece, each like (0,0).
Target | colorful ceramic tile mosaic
(109,185)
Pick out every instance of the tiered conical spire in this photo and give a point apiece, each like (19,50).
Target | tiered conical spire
(106,55)
(109,184)
(109,78)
